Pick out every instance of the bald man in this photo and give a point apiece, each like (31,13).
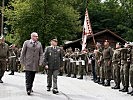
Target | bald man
(31,57)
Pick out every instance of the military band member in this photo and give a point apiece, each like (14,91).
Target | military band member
(74,57)
(4,54)
(53,61)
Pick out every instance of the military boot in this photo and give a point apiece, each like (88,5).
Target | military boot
(107,83)
(1,79)
(101,82)
(116,87)
(98,80)
(81,77)
(74,76)
(12,73)
(125,89)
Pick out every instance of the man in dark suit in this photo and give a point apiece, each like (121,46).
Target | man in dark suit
(53,60)
(31,57)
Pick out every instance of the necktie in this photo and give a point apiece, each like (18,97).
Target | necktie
(34,44)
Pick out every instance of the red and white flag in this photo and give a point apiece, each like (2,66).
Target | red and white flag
(87,30)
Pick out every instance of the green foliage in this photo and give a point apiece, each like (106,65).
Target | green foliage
(49,18)
(64,18)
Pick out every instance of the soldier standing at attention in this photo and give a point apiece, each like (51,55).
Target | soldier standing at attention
(107,57)
(131,72)
(4,53)
(124,70)
(53,61)
(98,53)
(116,66)
(12,59)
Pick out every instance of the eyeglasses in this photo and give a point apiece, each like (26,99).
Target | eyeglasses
(35,36)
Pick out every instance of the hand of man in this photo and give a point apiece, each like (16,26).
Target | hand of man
(46,67)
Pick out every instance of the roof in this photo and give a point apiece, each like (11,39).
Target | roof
(99,33)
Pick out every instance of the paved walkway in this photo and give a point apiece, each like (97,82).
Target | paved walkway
(13,88)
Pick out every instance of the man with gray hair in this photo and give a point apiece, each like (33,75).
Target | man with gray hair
(31,57)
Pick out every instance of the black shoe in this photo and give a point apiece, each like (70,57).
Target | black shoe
(68,75)
(130,92)
(1,81)
(107,83)
(121,89)
(74,76)
(101,82)
(81,77)
(116,87)
(48,89)
(11,74)
(28,92)
(97,81)
(125,90)
(55,91)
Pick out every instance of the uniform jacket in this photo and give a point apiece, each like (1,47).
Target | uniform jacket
(4,51)
(31,56)
(53,57)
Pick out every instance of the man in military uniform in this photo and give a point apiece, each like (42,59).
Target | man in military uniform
(12,59)
(75,67)
(82,62)
(107,57)
(116,66)
(4,52)
(98,53)
(131,71)
(53,61)
(69,64)
(124,70)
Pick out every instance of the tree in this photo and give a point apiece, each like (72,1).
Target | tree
(47,17)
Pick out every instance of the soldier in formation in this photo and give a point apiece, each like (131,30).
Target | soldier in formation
(4,54)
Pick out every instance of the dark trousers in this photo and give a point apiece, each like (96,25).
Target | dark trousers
(52,75)
(29,75)
(94,70)
(2,67)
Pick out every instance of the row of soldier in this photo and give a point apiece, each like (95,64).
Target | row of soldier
(114,64)
(105,63)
